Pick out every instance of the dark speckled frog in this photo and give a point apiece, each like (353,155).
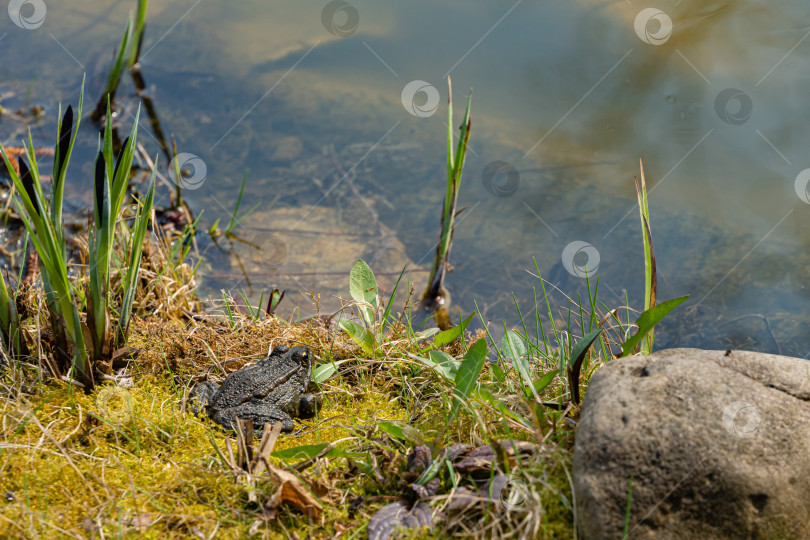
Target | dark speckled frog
(271,390)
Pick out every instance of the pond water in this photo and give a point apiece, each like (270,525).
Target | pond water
(336,111)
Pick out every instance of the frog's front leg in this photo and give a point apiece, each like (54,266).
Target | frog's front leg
(309,405)
(260,412)
(200,396)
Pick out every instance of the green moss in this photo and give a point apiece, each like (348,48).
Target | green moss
(111,467)
(131,462)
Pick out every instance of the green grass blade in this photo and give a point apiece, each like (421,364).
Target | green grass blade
(131,278)
(114,77)
(137,34)
(467,375)
(62,155)
(648,320)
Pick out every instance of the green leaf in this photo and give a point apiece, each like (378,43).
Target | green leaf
(497,372)
(363,288)
(304,451)
(309,451)
(578,354)
(545,380)
(485,394)
(512,345)
(362,285)
(323,372)
(391,300)
(580,349)
(468,373)
(401,431)
(648,320)
(449,336)
(514,348)
(444,364)
(359,334)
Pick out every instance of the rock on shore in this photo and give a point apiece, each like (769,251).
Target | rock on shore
(717,444)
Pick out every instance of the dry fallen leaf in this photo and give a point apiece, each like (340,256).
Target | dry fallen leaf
(385,522)
(293,492)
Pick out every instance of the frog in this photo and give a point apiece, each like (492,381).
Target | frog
(269,391)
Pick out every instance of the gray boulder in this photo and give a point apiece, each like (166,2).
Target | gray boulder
(717,444)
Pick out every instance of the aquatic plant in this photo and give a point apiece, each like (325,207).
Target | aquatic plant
(43,222)
(127,55)
(435,295)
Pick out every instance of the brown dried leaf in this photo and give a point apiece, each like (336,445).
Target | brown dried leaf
(293,492)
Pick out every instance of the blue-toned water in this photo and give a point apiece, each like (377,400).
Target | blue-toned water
(318,102)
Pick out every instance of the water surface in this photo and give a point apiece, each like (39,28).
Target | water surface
(307,98)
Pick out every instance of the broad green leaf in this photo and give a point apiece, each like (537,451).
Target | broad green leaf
(426,334)
(497,372)
(545,380)
(401,431)
(308,451)
(648,320)
(359,334)
(581,348)
(323,372)
(304,451)
(449,336)
(512,345)
(362,285)
(468,373)
(444,364)
(578,354)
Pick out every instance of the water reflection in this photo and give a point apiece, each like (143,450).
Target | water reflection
(567,95)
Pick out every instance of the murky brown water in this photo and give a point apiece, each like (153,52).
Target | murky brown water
(307,97)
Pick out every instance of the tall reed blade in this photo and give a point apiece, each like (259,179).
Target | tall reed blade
(62,152)
(33,210)
(650,274)
(114,77)
(130,280)
(435,292)
(137,34)
(9,321)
